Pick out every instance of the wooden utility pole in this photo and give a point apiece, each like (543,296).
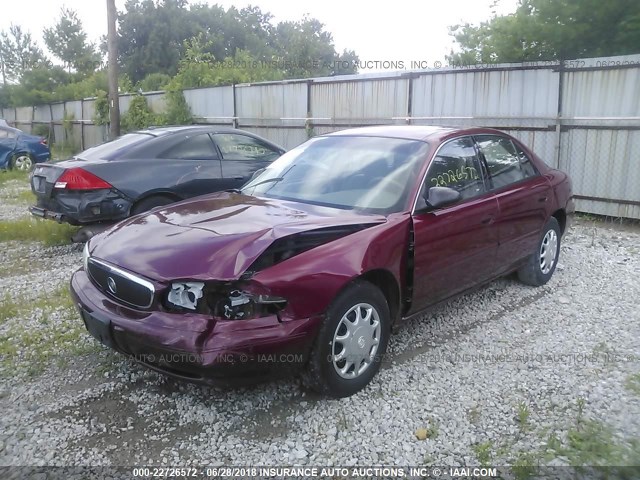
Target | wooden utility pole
(112,45)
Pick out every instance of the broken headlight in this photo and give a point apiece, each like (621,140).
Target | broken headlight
(185,294)
(221,301)
(239,305)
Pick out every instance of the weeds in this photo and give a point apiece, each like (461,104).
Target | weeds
(10,175)
(32,229)
(523,416)
(633,383)
(483,453)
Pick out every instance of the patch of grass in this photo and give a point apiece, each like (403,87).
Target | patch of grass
(9,175)
(593,443)
(8,308)
(31,348)
(633,383)
(523,416)
(62,152)
(26,196)
(524,465)
(484,453)
(35,230)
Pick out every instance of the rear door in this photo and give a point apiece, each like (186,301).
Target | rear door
(193,165)
(454,246)
(522,193)
(242,155)
(8,140)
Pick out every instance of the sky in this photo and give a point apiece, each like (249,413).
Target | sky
(393,31)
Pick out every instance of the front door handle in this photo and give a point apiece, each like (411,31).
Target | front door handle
(542,199)
(487,221)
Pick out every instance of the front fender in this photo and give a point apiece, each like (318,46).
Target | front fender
(311,280)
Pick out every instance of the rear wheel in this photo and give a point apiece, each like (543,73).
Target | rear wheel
(542,263)
(22,162)
(151,202)
(349,348)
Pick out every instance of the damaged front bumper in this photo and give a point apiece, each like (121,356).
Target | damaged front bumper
(83,207)
(196,347)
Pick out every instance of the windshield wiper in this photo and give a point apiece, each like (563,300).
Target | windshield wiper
(268,180)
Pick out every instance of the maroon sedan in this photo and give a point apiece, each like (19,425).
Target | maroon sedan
(319,255)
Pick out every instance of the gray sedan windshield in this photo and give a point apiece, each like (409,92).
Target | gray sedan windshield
(350,172)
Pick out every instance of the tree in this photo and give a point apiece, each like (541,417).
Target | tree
(306,49)
(155,34)
(18,54)
(151,36)
(551,30)
(68,42)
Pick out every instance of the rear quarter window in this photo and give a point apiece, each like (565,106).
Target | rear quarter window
(117,148)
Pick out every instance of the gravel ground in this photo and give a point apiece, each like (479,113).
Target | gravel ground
(495,377)
(10,207)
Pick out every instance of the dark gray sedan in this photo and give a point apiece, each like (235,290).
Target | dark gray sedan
(146,169)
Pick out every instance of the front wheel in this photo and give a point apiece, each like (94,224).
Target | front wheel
(349,348)
(542,263)
(22,162)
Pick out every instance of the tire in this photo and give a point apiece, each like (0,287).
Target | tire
(323,370)
(542,263)
(148,203)
(22,162)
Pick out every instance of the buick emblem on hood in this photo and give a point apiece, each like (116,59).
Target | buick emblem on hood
(111,284)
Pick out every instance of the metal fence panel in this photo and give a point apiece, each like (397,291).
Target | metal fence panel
(272,104)
(41,114)
(124,101)
(212,105)
(511,97)
(285,137)
(591,128)
(9,114)
(156,102)
(360,102)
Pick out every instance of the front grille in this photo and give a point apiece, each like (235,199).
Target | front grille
(121,285)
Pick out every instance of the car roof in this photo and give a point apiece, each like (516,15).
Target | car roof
(158,131)
(11,129)
(423,133)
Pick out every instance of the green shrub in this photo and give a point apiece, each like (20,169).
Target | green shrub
(138,116)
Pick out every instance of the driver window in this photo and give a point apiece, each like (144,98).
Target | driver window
(455,166)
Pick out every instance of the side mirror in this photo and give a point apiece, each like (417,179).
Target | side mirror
(441,196)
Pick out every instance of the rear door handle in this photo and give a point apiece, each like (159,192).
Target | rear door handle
(487,221)
(542,199)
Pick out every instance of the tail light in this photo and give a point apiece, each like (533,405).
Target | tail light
(44,142)
(80,179)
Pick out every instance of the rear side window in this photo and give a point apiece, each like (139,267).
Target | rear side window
(243,147)
(118,147)
(4,133)
(196,147)
(506,165)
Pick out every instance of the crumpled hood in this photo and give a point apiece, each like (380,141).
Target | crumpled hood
(217,236)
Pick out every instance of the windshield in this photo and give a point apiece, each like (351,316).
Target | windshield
(110,150)
(360,173)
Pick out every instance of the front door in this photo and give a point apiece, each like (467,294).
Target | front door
(455,245)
